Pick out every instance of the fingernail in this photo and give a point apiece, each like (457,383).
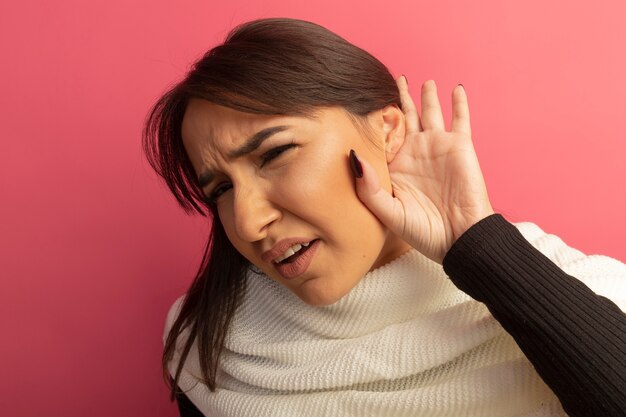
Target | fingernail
(462,86)
(406,79)
(355,164)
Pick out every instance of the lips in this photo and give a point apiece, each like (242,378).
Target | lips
(292,253)
(280,248)
(298,263)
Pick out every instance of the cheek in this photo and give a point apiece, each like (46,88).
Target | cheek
(323,193)
(318,184)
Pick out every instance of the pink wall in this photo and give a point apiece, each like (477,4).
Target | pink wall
(93,249)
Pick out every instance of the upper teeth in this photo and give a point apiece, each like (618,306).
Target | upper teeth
(295,248)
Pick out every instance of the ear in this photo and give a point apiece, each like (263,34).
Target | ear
(393,129)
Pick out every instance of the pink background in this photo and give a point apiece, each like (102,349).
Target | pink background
(94,250)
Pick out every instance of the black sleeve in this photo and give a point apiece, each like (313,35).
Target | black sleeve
(185,407)
(575,339)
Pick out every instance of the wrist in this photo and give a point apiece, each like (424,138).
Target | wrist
(466,224)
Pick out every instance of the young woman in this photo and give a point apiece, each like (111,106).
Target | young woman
(355,264)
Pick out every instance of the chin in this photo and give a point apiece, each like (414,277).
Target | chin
(317,293)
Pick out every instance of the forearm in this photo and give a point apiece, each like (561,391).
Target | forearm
(575,339)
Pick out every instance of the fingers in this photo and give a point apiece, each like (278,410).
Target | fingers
(378,200)
(408,107)
(432,117)
(460,111)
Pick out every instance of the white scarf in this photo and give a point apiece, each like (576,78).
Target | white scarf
(404,342)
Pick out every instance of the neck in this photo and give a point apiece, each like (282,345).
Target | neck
(393,248)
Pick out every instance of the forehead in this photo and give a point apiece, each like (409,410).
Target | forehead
(206,121)
(210,130)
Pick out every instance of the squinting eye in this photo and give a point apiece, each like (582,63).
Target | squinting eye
(265,158)
(218,191)
(275,152)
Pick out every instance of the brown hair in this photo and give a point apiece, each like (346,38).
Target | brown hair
(276,66)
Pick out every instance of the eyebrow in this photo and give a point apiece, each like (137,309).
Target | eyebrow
(249,146)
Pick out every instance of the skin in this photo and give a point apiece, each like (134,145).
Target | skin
(438,188)
(308,190)
(421,186)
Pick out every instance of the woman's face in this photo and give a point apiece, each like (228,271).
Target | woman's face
(284,189)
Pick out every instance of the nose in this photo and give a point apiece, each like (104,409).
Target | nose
(253,212)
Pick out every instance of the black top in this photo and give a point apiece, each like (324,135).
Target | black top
(575,339)
(186,407)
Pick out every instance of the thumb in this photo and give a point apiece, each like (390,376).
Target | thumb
(378,200)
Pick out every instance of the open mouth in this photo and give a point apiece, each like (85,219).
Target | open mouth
(293,257)
(296,260)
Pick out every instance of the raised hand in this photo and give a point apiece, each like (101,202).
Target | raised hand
(438,187)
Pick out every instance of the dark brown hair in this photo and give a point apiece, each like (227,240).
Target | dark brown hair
(274,66)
